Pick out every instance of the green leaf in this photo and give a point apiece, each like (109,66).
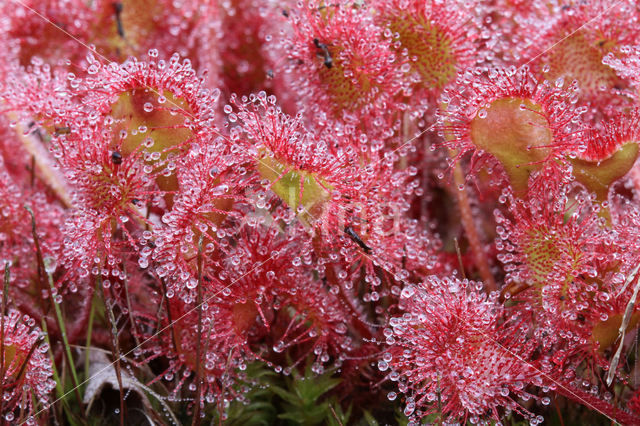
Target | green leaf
(286,395)
(368,419)
(260,409)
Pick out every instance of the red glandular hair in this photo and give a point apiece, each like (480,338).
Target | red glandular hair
(27,370)
(313,321)
(626,64)
(222,342)
(563,268)
(17,245)
(374,232)
(341,66)
(257,293)
(190,28)
(581,36)
(315,175)
(510,117)
(44,30)
(212,205)
(436,39)
(452,353)
(41,95)
(605,141)
(122,153)
(550,239)
(247,25)
(156,86)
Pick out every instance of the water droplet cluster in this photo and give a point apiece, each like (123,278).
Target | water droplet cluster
(433,204)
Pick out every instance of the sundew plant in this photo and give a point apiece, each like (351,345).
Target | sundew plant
(356,212)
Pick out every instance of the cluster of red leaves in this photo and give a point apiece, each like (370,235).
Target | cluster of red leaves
(437,199)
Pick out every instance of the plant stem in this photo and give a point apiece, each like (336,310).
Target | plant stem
(593,402)
(56,307)
(471,231)
(469,225)
(65,341)
(555,403)
(196,415)
(5,295)
(89,332)
(129,308)
(56,375)
(116,353)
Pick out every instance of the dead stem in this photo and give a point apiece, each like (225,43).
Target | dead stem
(43,162)
(459,255)
(129,308)
(333,411)
(115,353)
(623,328)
